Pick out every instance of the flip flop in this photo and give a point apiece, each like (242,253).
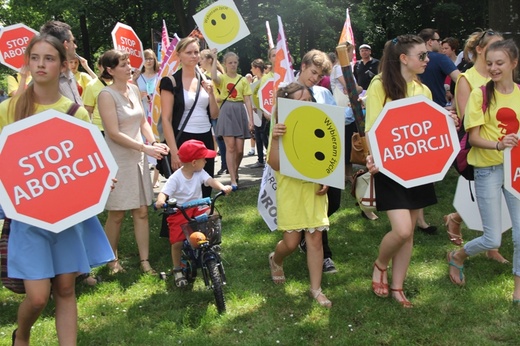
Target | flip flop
(460,268)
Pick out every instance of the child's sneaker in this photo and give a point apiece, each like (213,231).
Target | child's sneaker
(180,280)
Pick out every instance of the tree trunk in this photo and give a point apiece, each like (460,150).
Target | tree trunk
(85,38)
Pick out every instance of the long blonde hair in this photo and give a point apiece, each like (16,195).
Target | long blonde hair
(25,103)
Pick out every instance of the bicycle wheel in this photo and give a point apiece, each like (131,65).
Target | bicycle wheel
(216,281)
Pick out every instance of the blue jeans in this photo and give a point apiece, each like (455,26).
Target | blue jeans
(489,185)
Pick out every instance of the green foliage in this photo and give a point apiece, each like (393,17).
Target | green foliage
(136,309)
(308,23)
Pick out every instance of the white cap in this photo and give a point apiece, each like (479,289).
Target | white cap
(364,45)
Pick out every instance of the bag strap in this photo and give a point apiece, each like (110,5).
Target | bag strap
(230,91)
(191,110)
(73,109)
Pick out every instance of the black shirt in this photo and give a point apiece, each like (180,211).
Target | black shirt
(365,72)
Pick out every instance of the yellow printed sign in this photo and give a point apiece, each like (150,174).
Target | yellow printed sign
(221,24)
(312,148)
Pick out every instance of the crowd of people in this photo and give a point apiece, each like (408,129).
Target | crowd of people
(208,106)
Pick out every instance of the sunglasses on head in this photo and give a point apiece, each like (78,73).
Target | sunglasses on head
(488,32)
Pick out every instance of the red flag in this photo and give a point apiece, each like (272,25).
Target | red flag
(347,35)
(283,69)
(165,41)
(169,65)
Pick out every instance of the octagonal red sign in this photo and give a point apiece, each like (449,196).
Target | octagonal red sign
(13,41)
(59,170)
(125,39)
(266,96)
(414,141)
(512,170)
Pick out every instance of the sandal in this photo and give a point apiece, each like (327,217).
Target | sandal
(400,298)
(453,232)
(495,255)
(150,270)
(277,274)
(320,298)
(460,268)
(180,280)
(380,288)
(114,267)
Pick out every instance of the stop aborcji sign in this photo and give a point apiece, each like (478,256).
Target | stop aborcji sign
(414,141)
(13,41)
(125,39)
(266,96)
(512,170)
(57,170)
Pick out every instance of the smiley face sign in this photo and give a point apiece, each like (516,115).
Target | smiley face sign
(312,148)
(221,24)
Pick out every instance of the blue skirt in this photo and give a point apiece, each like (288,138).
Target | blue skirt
(36,254)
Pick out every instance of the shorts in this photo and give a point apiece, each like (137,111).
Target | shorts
(176,220)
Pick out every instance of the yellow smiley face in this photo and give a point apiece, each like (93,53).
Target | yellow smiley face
(221,24)
(312,142)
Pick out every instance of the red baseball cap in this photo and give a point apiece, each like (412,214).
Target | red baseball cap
(193,150)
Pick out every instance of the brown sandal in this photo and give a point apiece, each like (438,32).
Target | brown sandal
(405,303)
(276,270)
(380,289)
(455,238)
(320,298)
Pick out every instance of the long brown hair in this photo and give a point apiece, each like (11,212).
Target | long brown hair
(511,50)
(393,81)
(25,103)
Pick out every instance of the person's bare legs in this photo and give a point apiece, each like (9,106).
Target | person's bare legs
(397,246)
(421,222)
(66,308)
(142,235)
(315,265)
(286,246)
(176,251)
(113,232)
(155,177)
(231,161)
(36,299)
(239,142)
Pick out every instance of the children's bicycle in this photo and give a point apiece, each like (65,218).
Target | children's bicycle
(201,249)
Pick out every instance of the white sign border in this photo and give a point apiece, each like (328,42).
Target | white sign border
(243,30)
(376,154)
(337,115)
(82,215)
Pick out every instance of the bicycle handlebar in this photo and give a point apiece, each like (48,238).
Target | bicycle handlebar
(172,204)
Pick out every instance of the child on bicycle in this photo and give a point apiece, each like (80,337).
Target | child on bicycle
(185,185)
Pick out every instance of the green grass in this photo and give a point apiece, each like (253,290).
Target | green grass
(135,309)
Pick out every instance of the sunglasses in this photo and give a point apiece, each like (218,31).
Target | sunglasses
(422,56)
(488,32)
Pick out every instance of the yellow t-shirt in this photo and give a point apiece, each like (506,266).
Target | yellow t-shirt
(83,79)
(241,89)
(62,105)
(474,79)
(376,98)
(14,83)
(501,118)
(89,97)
